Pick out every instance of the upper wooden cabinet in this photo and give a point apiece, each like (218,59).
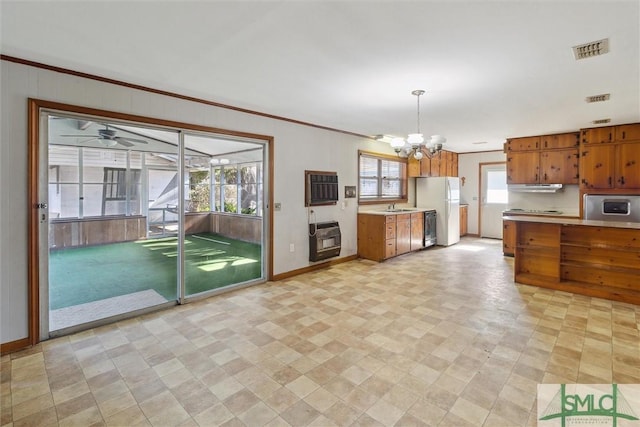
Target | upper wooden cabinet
(559,166)
(547,159)
(444,164)
(610,157)
(561,140)
(523,144)
(601,135)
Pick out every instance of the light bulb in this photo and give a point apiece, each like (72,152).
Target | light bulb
(415,139)
(418,155)
(397,143)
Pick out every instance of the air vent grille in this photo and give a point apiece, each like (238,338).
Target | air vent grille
(601,121)
(598,98)
(588,50)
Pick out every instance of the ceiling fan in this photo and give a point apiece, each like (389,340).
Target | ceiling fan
(108,138)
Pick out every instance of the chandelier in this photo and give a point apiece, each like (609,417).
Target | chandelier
(415,141)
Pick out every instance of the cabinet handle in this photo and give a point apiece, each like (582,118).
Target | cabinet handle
(545,176)
(623,134)
(536,177)
(609,181)
(609,136)
(622,180)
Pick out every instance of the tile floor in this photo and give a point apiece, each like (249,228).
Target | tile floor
(439,337)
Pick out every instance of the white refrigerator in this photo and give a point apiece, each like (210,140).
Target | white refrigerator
(443,195)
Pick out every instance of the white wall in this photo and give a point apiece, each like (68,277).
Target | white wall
(469,169)
(296,148)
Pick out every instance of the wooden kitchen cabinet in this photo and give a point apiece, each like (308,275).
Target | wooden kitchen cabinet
(559,166)
(464,220)
(628,166)
(527,143)
(445,164)
(403,234)
(601,135)
(627,133)
(547,159)
(508,237)
(384,236)
(610,157)
(417,231)
(561,140)
(596,166)
(523,167)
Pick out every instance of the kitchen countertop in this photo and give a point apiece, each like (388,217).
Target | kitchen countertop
(560,214)
(573,221)
(404,211)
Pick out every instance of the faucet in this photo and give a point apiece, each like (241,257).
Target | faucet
(391,207)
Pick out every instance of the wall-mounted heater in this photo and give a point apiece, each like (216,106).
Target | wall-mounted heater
(324,240)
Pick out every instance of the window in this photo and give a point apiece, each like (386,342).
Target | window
(497,187)
(237,188)
(381,178)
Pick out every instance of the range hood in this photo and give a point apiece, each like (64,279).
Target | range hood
(535,188)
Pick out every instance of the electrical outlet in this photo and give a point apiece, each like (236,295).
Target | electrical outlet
(292,247)
(277,206)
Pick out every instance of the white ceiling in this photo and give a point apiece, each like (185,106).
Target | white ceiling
(491,69)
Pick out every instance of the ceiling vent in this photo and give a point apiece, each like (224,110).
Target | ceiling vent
(601,121)
(588,50)
(598,98)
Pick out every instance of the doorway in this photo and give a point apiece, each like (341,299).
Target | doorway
(494,198)
(134,218)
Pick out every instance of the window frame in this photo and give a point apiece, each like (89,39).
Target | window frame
(379,198)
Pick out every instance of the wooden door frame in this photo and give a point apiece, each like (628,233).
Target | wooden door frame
(480,165)
(35,106)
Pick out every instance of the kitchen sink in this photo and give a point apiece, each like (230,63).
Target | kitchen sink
(399,210)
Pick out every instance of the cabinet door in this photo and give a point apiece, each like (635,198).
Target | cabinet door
(403,234)
(559,166)
(435,165)
(390,248)
(463,220)
(598,135)
(417,230)
(523,144)
(454,164)
(561,140)
(413,167)
(523,168)
(445,163)
(628,132)
(596,166)
(508,237)
(628,171)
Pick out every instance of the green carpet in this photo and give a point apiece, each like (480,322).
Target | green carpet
(80,275)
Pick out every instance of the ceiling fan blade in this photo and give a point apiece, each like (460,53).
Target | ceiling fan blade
(81,136)
(124,142)
(131,140)
(89,140)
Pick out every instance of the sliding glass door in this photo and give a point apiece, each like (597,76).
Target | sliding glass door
(140,216)
(223,214)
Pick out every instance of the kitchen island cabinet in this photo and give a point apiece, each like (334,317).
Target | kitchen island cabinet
(464,220)
(594,258)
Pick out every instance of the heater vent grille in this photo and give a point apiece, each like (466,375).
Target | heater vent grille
(588,50)
(601,121)
(598,98)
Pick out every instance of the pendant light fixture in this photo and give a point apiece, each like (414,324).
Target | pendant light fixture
(415,141)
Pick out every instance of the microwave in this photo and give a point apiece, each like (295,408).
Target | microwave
(612,207)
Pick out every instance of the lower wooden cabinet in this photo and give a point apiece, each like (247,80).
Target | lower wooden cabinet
(384,236)
(508,237)
(464,220)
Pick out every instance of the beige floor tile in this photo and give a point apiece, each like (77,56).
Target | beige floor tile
(358,343)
